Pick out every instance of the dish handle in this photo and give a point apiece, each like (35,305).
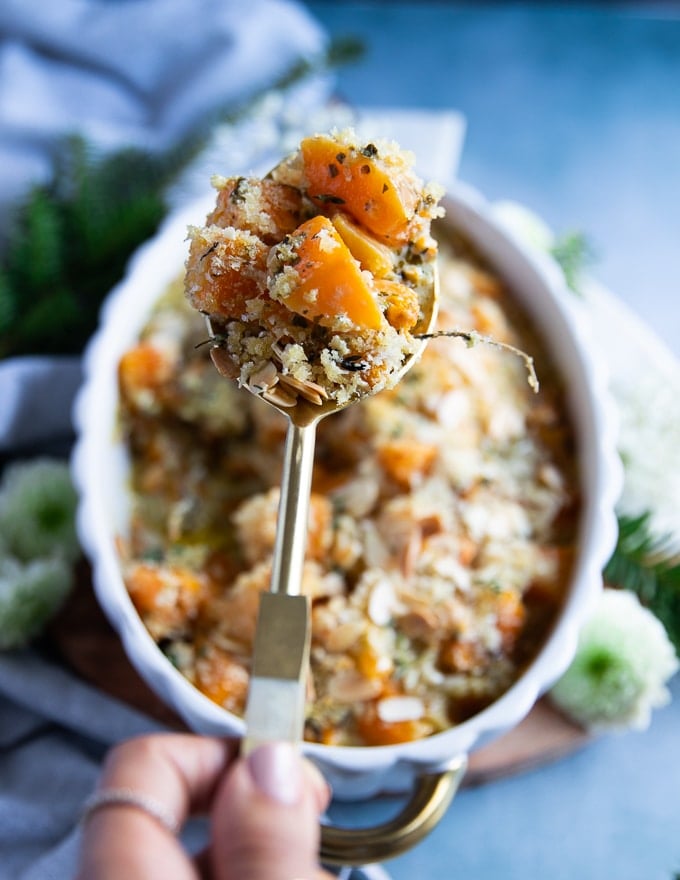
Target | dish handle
(429,800)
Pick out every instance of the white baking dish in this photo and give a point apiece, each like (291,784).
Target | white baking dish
(100,470)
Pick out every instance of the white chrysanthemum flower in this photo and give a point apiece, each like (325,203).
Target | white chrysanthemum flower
(623,661)
(30,593)
(649,439)
(37,510)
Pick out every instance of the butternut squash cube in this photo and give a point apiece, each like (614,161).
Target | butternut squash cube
(225,269)
(381,197)
(329,281)
(403,305)
(371,254)
(267,209)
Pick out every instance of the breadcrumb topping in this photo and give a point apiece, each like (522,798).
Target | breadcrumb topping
(443,525)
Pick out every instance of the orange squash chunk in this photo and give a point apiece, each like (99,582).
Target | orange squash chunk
(224,271)
(511,615)
(456,656)
(222,679)
(146,584)
(383,200)
(143,368)
(406,460)
(320,526)
(267,209)
(330,282)
(376,732)
(371,254)
(403,306)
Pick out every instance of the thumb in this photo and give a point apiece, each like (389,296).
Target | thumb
(266,817)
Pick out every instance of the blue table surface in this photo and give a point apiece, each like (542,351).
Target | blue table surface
(573,110)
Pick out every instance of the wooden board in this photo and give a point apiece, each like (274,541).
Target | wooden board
(85,641)
(542,737)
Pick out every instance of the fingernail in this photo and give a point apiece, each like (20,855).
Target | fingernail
(276,769)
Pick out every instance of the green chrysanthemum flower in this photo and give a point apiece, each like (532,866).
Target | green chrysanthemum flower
(623,661)
(37,510)
(30,594)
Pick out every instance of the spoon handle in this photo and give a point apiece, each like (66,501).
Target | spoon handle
(291,528)
(276,699)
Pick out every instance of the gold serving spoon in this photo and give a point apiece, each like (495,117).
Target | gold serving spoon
(275,709)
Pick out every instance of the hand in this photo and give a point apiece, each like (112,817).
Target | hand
(264,812)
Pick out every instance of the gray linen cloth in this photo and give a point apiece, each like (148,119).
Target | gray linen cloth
(134,73)
(54,732)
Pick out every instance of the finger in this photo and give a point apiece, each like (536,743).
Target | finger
(178,772)
(266,817)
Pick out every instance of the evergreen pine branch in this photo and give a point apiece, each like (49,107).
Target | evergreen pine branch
(649,567)
(7,304)
(70,245)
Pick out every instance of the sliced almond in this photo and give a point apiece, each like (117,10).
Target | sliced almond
(381,603)
(224,363)
(411,552)
(309,390)
(349,686)
(279,396)
(344,636)
(277,350)
(264,378)
(394,709)
(421,623)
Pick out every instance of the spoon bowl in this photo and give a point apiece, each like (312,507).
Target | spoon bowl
(304,412)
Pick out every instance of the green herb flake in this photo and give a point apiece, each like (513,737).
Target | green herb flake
(330,199)
(238,194)
(210,250)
